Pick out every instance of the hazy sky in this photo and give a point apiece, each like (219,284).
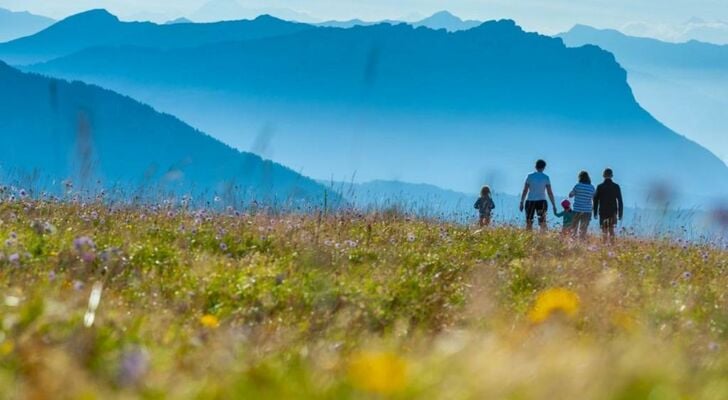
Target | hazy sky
(548,16)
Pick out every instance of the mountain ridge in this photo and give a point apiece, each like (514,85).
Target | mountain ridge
(394,101)
(74,130)
(17,24)
(96,28)
(684,84)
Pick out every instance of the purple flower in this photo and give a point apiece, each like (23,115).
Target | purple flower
(77,285)
(83,242)
(22,193)
(687,275)
(14,258)
(133,365)
(223,247)
(88,257)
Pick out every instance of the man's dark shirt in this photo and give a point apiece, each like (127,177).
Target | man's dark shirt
(608,200)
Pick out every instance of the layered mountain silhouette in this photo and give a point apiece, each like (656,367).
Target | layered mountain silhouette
(440,20)
(446,20)
(14,25)
(685,85)
(100,28)
(53,130)
(709,31)
(454,109)
(221,10)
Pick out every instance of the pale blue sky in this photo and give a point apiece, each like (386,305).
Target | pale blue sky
(548,16)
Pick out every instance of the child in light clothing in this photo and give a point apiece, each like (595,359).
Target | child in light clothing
(567,215)
(485,206)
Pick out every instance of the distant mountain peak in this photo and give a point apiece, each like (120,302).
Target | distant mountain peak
(97,16)
(583,28)
(446,20)
(445,14)
(181,20)
(268,18)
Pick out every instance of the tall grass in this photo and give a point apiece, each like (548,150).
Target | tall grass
(126,300)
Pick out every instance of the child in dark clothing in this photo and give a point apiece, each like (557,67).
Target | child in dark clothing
(485,206)
(568,216)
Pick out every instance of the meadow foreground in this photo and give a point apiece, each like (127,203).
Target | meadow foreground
(160,302)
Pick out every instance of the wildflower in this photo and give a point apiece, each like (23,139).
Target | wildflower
(209,321)
(687,275)
(223,247)
(411,237)
(14,258)
(133,365)
(378,372)
(6,347)
(554,300)
(83,242)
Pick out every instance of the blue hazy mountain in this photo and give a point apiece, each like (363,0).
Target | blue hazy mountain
(685,85)
(454,109)
(356,22)
(100,28)
(15,25)
(708,31)
(54,130)
(225,10)
(181,20)
(440,20)
(448,21)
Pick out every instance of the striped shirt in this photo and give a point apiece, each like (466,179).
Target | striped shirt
(583,194)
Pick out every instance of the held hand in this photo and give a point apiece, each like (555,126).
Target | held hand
(520,207)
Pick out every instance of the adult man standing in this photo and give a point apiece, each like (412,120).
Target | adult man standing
(608,205)
(534,193)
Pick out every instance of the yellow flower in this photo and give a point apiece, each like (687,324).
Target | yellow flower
(378,372)
(209,321)
(6,347)
(554,300)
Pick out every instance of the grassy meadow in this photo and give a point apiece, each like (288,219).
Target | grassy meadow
(104,302)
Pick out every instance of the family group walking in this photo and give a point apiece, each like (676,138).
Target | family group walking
(603,202)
